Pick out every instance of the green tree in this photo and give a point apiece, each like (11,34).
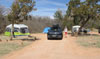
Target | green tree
(85,11)
(2,19)
(69,13)
(59,17)
(19,12)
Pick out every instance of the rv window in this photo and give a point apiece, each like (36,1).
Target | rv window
(24,30)
(16,29)
(55,28)
(8,29)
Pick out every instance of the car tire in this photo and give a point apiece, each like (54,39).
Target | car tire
(49,38)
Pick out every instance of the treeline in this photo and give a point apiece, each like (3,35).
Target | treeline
(36,24)
(84,13)
(2,19)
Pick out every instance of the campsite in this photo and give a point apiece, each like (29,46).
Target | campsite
(49,29)
(19,29)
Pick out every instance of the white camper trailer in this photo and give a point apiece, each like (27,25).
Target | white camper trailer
(75,28)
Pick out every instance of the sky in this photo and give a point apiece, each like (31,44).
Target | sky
(44,7)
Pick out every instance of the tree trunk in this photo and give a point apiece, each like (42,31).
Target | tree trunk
(12,32)
(83,25)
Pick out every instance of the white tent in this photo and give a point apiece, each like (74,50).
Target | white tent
(19,29)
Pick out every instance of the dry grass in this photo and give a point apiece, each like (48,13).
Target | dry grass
(89,41)
(7,46)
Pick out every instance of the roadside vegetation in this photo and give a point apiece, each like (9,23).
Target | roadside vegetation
(84,13)
(92,41)
(36,24)
(7,46)
(18,13)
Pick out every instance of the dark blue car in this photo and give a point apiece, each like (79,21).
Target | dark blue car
(55,33)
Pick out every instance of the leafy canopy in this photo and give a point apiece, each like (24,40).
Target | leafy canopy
(20,10)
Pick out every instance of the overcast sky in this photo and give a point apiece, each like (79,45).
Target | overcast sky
(44,7)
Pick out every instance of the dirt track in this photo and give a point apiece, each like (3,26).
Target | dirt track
(55,49)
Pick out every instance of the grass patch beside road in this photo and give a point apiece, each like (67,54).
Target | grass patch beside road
(7,47)
(89,41)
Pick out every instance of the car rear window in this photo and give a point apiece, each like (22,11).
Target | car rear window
(55,29)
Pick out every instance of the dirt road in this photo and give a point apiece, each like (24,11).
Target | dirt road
(55,49)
